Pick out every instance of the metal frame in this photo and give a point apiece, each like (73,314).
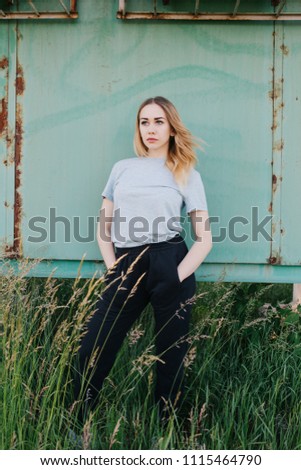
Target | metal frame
(234,15)
(68,6)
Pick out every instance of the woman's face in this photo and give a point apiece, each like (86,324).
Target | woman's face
(155,130)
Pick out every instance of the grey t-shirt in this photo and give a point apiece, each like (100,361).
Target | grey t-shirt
(148,201)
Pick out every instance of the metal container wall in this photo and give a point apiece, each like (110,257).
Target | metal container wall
(70,91)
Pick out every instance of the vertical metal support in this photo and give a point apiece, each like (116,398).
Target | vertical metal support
(33,7)
(276,96)
(280,8)
(296,295)
(197,7)
(65,8)
(155,7)
(236,7)
(72,6)
(121,8)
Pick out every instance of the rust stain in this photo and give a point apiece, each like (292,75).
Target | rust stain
(16,250)
(3,116)
(4,101)
(4,63)
(275,93)
(18,174)
(273,229)
(274,179)
(278,146)
(275,259)
(284,49)
(20,82)
(270,208)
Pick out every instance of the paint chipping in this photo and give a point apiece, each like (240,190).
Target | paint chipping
(18,174)
(20,82)
(275,93)
(4,63)
(3,116)
(284,49)
(275,259)
(278,146)
(270,208)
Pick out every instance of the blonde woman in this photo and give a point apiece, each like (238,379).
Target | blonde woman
(139,236)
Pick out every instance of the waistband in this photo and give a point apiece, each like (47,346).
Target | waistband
(152,246)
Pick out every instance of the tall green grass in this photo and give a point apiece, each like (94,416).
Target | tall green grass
(242,371)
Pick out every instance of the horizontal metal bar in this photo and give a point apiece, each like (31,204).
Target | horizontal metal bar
(207,272)
(18,15)
(136,15)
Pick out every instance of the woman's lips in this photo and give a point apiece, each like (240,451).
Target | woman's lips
(152,140)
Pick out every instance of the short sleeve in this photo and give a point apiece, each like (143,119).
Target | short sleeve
(108,191)
(195,197)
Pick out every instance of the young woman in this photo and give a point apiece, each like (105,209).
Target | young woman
(139,236)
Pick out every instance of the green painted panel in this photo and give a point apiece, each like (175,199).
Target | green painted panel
(236,85)
(83,84)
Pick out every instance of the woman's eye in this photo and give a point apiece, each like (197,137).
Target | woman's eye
(159,122)
(143,122)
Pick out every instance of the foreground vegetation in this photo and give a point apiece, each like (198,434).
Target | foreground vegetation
(243,371)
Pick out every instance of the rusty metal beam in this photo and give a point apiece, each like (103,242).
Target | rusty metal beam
(137,15)
(34,14)
(72,6)
(42,16)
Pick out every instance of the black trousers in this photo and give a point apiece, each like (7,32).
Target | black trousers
(147,273)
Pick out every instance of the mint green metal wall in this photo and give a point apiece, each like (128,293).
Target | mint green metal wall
(80,84)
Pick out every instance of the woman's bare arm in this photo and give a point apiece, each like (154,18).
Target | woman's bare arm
(201,246)
(104,232)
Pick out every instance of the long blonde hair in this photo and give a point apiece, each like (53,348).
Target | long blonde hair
(181,156)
